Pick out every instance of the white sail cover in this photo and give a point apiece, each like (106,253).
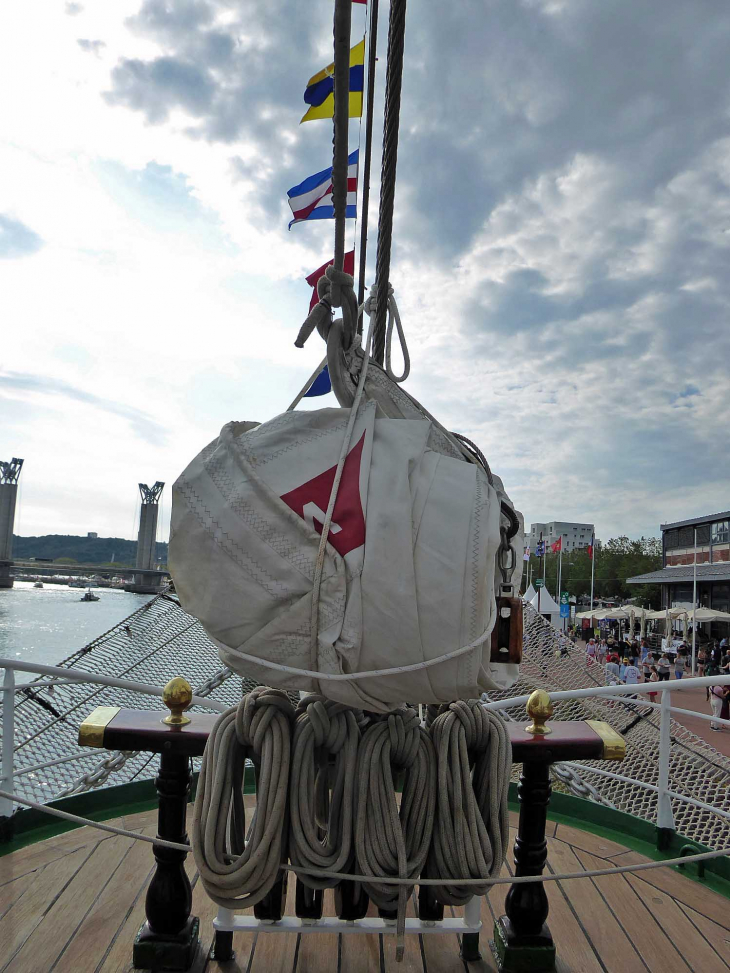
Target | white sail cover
(409,570)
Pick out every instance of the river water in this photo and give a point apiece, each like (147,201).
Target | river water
(47,624)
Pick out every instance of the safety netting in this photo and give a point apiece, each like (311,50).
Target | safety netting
(160,640)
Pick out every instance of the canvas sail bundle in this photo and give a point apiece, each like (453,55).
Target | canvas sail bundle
(409,568)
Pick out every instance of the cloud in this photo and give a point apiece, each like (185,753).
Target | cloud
(159,86)
(73,9)
(17,239)
(561,237)
(142,423)
(91,47)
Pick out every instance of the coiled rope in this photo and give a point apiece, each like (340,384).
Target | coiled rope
(321,820)
(371,308)
(236,872)
(471,829)
(389,840)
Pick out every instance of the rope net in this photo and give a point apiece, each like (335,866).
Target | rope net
(160,640)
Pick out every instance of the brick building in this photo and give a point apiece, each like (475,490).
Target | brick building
(712,535)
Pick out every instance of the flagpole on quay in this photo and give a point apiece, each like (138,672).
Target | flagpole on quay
(694,605)
(372,58)
(593,567)
(541,550)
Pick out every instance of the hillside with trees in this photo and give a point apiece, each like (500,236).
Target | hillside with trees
(84,550)
(617,560)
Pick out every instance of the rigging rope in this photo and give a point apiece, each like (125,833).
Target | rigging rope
(390,841)
(236,872)
(393,85)
(471,830)
(320,830)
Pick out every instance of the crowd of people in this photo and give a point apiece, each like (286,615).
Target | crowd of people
(630,661)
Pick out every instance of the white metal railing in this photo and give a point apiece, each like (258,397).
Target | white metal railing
(665,796)
(62,676)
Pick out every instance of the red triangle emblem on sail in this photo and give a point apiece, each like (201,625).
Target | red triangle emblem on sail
(311,499)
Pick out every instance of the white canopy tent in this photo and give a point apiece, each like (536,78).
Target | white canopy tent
(548,606)
(529,595)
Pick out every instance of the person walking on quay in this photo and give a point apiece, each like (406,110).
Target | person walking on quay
(613,675)
(680,663)
(644,650)
(663,666)
(591,651)
(654,677)
(701,661)
(718,697)
(646,667)
(602,651)
(631,673)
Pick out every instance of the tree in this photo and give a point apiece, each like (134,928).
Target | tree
(617,560)
(66,560)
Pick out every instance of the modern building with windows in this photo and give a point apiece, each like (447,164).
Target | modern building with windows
(710,538)
(574,536)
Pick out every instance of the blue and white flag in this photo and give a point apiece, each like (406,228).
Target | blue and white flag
(312,199)
(320,386)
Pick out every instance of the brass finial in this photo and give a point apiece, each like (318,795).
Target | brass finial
(177,696)
(539,709)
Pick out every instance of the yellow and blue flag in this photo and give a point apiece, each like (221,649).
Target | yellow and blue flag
(320,88)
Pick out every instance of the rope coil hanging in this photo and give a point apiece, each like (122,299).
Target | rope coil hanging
(238,871)
(393,841)
(471,829)
(321,817)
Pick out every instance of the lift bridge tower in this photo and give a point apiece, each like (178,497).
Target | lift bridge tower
(147,578)
(9,473)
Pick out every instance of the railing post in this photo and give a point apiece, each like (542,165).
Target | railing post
(6,772)
(169,938)
(664,813)
(522,938)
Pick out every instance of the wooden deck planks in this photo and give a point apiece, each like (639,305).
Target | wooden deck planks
(75,903)
(609,938)
(113,902)
(657,950)
(67,912)
(29,911)
(686,937)
(684,890)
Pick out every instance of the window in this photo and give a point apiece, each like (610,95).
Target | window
(720,532)
(671,539)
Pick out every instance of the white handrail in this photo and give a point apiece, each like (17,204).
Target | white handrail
(81,675)
(665,817)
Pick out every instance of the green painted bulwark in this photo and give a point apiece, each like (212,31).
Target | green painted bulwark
(637,834)
(29,825)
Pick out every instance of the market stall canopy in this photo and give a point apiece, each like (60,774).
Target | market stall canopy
(708,615)
(528,595)
(600,613)
(548,604)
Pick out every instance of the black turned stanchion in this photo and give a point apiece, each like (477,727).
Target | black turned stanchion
(169,938)
(522,939)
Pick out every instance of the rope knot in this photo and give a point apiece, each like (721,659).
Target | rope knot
(404,735)
(256,711)
(329,721)
(338,281)
(473,718)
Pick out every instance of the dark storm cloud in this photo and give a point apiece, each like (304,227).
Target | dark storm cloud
(16,239)
(142,424)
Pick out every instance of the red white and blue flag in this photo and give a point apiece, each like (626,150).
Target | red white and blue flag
(312,199)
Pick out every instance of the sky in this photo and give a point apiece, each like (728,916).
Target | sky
(561,243)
